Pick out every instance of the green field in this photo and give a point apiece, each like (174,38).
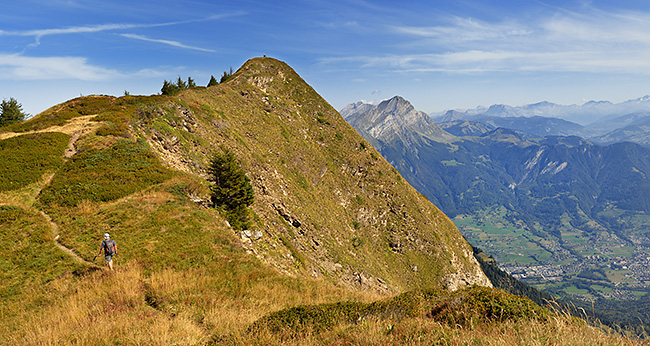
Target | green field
(537,256)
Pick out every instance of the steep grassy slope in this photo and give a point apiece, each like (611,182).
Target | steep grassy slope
(323,194)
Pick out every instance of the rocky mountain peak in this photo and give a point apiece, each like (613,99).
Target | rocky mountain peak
(396,105)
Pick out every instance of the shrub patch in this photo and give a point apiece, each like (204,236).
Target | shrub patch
(26,158)
(103,175)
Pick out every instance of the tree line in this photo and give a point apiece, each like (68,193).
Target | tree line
(173,88)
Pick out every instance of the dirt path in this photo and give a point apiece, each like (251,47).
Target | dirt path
(55,233)
(69,152)
(79,125)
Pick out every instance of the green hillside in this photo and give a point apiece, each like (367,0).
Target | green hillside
(335,230)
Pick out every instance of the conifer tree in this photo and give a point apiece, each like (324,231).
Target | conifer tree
(11,112)
(191,83)
(226,75)
(232,191)
(213,81)
(181,83)
(168,88)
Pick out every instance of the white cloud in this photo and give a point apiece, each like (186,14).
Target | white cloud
(592,41)
(18,67)
(167,42)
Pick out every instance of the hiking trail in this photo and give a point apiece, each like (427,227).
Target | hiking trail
(55,233)
(76,128)
(69,152)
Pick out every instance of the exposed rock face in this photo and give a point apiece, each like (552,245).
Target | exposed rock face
(464,278)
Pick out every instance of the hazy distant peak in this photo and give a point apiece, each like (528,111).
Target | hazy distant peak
(356,108)
(499,109)
(451,115)
(641,99)
(596,103)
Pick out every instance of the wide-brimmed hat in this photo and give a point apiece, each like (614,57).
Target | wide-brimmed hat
(106,235)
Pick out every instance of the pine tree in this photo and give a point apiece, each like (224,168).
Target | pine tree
(168,88)
(191,83)
(181,83)
(226,75)
(213,81)
(11,112)
(232,190)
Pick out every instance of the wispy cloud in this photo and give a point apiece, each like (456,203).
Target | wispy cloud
(17,67)
(167,42)
(22,67)
(40,33)
(463,30)
(592,41)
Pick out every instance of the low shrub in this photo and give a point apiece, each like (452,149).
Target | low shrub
(463,307)
(482,304)
(105,174)
(117,124)
(26,158)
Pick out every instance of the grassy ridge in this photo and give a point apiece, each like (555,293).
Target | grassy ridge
(182,276)
(343,204)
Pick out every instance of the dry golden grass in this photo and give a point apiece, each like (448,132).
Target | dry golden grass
(25,197)
(77,124)
(105,308)
(167,307)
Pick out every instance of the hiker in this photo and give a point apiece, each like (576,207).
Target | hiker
(110,249)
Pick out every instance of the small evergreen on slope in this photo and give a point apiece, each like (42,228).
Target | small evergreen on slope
(232,189)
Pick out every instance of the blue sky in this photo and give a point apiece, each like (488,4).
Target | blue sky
(438,54)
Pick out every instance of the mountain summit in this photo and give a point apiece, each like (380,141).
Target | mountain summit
(396,120)
(346,215)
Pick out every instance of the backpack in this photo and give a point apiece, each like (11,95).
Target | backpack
(108,246)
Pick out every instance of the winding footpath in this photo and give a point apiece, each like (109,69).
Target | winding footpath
(76,128)
(55,233)
(69,152)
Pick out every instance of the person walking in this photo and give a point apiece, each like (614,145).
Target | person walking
(109,246)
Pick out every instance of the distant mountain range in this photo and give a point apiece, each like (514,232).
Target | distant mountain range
(601,122)
(585,114)
(551,209)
